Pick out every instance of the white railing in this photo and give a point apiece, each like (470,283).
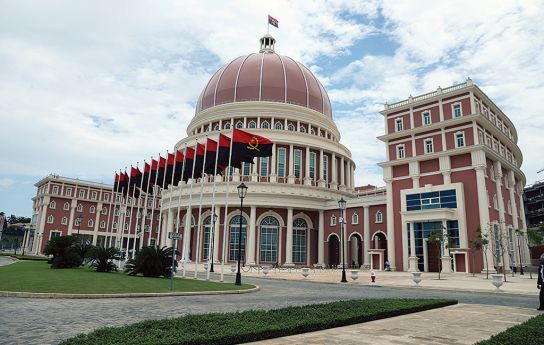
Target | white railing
(424,96)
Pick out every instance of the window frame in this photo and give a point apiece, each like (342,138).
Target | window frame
(378,217)
(281,161)
(426,117)
(426,147)
(453,108)
(297,155)
(401,148)
(333,220)
(399,124)
(457,136)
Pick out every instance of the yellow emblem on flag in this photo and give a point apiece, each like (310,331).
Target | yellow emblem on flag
(253,144)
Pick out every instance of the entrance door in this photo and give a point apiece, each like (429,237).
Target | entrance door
(433,256)
(334,251)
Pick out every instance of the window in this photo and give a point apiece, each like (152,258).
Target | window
(114,225)
(312,131)
(509,208)
(312,165)
(263,171)
(495,202)
(234,230)
(54,234)
(497,238)
(399,125)
(102,224)
(104,210)
(265,125)
(227,125)
(278,125)
(429,200)
(429,146)
(80,208)
(426,118)
(480,137)
(325,167)
(55,189)
(126,226)
(300,228)
(492,173)
(269,240)
(53,205)
(68,191)
(207,237)
(291,127)
(116,212)
(93,195)
(82,194)
(379,217)
(460,139)
(252,124)
(216,127)
(246,169)
(66,206)
(298,163)
(456,110)
(400,151)
(50,219)
(355,219)
(281,162)
(64,221)
(92,209)
(239,125)
(302,129)
(333,220)
(90,222)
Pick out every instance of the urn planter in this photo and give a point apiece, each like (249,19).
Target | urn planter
(305,272)
(354,274)
(266,269)
(372,277)
(232,268)
(497,281)
(416,277)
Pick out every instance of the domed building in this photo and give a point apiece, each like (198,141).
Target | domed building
(452,166)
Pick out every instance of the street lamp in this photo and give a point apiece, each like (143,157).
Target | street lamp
(342,205)
(214,219)
(79,220)
(519,233)
(242,191)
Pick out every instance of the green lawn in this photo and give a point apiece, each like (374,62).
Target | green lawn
(531,332)
(36,276)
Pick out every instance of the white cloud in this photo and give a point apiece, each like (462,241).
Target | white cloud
(5,182)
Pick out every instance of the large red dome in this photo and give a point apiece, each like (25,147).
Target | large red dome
(265,76)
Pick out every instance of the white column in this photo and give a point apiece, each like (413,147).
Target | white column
(366,236)
(97,222)
(321,239)
(291,177)
(390,223)
(73,205)
(169,228)
(352,176)
(446,259)
(273,163)
(187,235)
(502,219)
(251,236)
(342,173)
(254,173)
(321,165)
(216,234)
(484,212)
(412,262)
(334,172)
(40,231)
(307,179)
(289,238)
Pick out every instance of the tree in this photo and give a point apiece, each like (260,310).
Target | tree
(498,236)
(441,237)
(151,262)
(533,237)
(82,249)
(63,251)
(480,242)
(102,258)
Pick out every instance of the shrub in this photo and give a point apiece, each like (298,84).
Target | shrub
(102,258)
(151,262)
(253,325)
(63,253)
(531,332)
(83,250)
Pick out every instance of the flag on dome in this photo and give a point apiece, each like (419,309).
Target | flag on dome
(178,171)
(199,159)
(246,146)
(211,153)
(224,152)
(189,162)
(273,21)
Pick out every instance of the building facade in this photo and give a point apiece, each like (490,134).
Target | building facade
(533,198)
(452,165)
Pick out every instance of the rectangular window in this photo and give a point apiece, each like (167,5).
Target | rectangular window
(400,151)
(299,245)
(246,171)
(93,195)
(429,146)
(399,125)
(68,191)
(457,110)
(430,200)
(426,118)
(460,139)
(55,189)
(325,168)
(55,234)
(106,197)
(281,162)
(298,163)
(312,165)
(82,194)
(264,166)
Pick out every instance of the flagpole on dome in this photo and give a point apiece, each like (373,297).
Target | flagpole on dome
(189,215)
(212,244)
(152,218)
(229,175)
(199,223)
(159,235)
(178,221)
(139,200)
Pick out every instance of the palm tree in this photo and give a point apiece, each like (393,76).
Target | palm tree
(151,262)
(102,258)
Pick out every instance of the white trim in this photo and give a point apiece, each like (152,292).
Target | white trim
(355,233)
(453,110)
(378,232)
(425,141)
(376,221)
(332,220)
(333,234)
(397,122)
(455,140)
(423,116)
(398,147)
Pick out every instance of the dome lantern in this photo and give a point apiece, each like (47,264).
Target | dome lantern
(267,44)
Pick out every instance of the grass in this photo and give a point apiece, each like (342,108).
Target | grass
(253,325)
(36,276)
(531,332)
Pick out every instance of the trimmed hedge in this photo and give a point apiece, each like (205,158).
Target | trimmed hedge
(253,325)
(531,332)
(25,257)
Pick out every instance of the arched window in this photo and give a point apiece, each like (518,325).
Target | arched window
(239,124)
(355,219)
(495,202)
(333,220)
(300,228)
(102,224)
(269,240)
(104,210)
(290,127)
(90,222)
(216,127)
(234,229)
(114,225)
(66,206)
(265,125)
(64,221)
(92,209)
(50,219)
(379,217)
(227,125)
(252,124)
(80,208)
(278,125)
(302,129)
(53,205)
(207,237)
(312,131)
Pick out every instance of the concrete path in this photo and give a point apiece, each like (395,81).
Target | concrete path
(459,324)
(6,260)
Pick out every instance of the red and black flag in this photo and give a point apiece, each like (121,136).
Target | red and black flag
(189,162)
(161,171)
(273,21)
(178,171)
(135,180)
(153,178)
(211,153)
(146,176)
(199,159)
(223,151)
(116,182)
(246,146)
(169,168)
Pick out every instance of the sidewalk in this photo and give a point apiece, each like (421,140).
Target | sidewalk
(458,324)
(522,285)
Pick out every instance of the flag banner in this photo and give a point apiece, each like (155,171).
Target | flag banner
(161,171)
(116,182)
(199,159)
(169,168)
(123,182)
(153,173)
(247,146)
(224,152)
(273,21)
(211,152)
(189,161)
(178,172)
(135,181)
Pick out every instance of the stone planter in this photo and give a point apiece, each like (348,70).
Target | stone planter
(416,277)
(305,272)
(372,277)
(266,270)
(233,268)
(497,280)
(354,274)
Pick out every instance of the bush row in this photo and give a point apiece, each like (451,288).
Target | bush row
(531,332)
(25,257)
(253,325)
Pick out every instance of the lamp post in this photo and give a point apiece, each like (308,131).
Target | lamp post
(79,220)
(242,190)
(342,205)
(519,250)
(214,219)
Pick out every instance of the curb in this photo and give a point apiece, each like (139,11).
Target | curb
(52,295)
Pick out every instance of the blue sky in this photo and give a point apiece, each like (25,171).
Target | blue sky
(88,88)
